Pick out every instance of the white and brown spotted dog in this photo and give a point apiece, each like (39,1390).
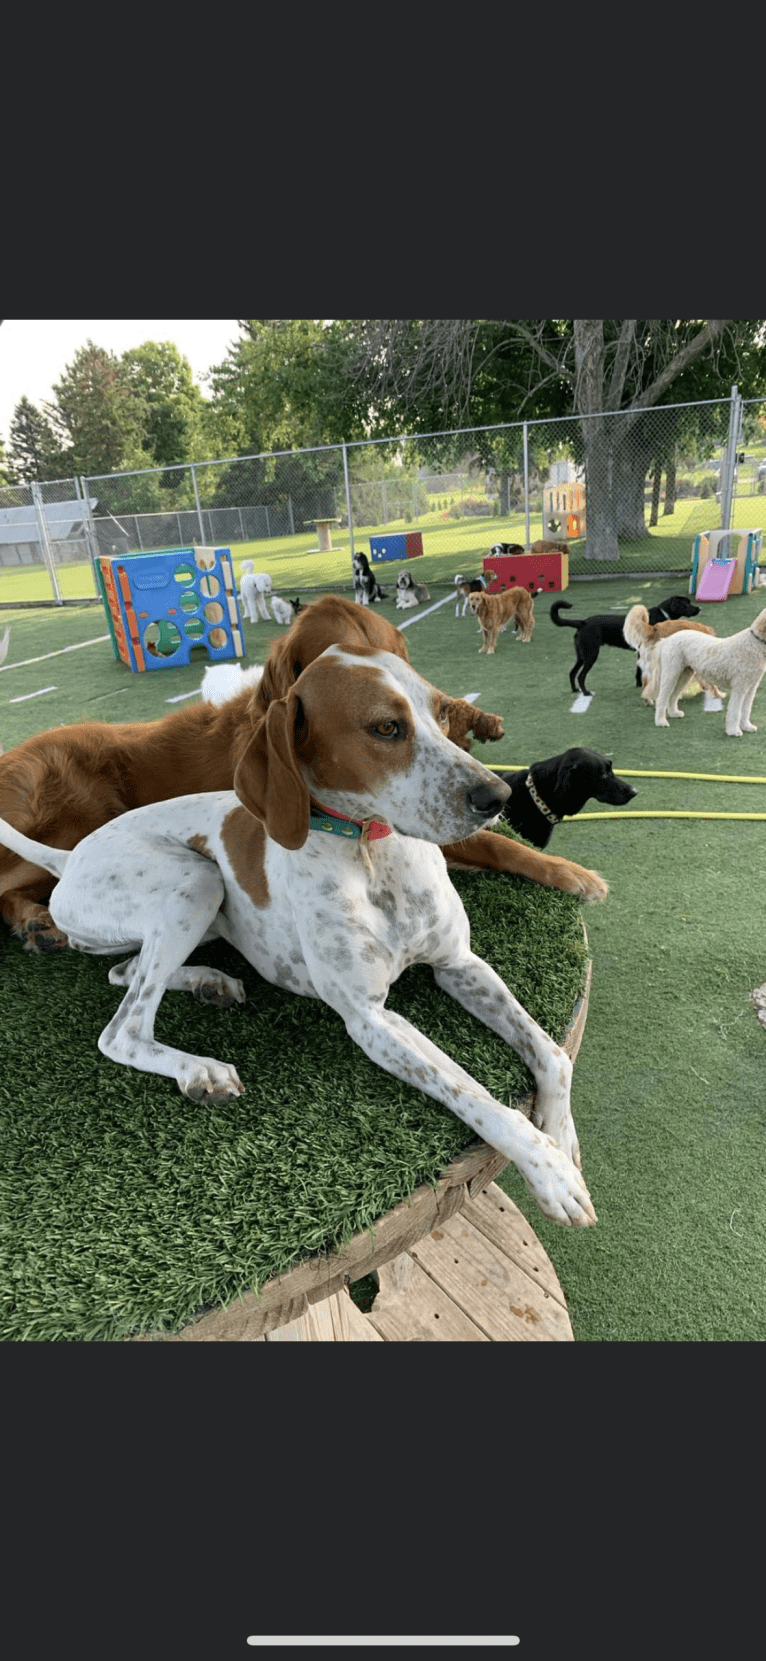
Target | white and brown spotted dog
(466,586)
(496,611)
(323,868)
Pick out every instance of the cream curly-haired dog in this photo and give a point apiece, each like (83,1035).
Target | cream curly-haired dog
(739,660)
(645,637)
(494,611)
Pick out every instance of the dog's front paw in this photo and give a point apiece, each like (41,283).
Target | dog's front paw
(577,879)
(747,726)
(556,1186)
(205,1080)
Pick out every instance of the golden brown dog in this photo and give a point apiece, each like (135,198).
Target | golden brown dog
(59,785)
(494,611)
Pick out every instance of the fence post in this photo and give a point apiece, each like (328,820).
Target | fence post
(90,530)
(348,500)
(526,486)
(44,540)
(199,510)
(729,460)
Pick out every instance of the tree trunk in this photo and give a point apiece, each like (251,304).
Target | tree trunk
(631,465)
(600,502)
(656,481)
(670,484)
(600,495)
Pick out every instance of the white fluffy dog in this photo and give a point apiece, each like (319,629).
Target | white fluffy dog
(283,611)
(253,588)
(222,681)
(738,660)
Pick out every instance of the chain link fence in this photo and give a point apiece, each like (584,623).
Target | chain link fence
(627,492)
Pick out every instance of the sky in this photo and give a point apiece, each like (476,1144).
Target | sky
(34,354)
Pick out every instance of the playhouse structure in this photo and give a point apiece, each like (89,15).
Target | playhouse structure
(549,572)
(564,511)
(738,550)
(158,606)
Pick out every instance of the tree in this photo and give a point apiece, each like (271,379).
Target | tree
(7,471)
(35,451)
(97,414)
(289,383)
(172,407)
(608,373)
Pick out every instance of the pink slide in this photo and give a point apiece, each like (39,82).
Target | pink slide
(715,579)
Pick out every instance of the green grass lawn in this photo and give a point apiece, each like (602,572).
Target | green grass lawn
(449,546)
(668,1088)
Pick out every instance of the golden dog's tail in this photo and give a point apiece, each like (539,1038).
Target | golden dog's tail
(637,629)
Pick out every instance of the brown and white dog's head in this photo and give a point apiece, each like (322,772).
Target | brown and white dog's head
(363,734)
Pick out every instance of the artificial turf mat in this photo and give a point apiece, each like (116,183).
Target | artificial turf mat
(125,1207)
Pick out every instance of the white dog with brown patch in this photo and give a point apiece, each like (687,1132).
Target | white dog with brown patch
(323,868)
(739,660)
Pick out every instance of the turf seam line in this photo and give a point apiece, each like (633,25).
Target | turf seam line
(99,641)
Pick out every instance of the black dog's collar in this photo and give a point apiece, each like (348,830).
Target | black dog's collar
(538,800)
(664,614)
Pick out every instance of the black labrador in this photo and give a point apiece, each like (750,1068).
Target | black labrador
(605,629)
(544,793)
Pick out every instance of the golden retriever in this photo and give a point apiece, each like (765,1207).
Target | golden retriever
(494,611)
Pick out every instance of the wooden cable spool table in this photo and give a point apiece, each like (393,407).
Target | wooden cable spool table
(457,1262)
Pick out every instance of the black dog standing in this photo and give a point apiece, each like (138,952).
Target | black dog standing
(604,629)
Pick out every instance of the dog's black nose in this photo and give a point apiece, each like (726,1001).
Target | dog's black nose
(488,799)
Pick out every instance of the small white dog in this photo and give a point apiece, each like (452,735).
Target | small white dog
(283,611)
(738,660)
(253,588)
(222,681)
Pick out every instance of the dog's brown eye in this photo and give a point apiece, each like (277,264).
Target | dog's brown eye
(387,729)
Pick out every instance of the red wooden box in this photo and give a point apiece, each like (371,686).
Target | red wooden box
(533,571)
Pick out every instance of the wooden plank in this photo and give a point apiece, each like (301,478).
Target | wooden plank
(504,1301)
(499,1220)
(332,1320)
(420,1313)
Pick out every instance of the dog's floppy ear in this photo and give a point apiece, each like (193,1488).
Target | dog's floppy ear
(268,780)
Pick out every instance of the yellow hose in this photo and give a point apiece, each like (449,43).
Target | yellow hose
(638,773)
(659,813)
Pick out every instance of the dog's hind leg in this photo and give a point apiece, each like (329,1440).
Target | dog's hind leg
(129,1036)
(209,986)
(684,678)
(172,911)
(747,704)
